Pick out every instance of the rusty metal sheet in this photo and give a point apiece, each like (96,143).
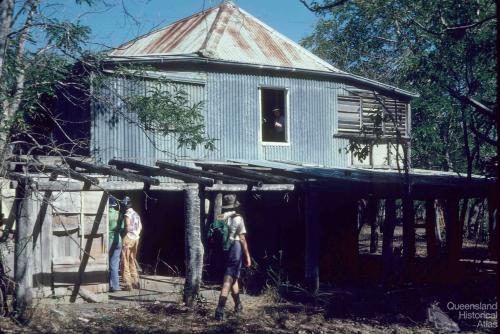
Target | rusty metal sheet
(227,33)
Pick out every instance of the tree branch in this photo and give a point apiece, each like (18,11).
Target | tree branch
(314,7)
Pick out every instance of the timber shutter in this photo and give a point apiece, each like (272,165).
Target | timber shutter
(369,114)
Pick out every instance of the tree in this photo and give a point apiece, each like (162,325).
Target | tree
(44,60)
(445,50)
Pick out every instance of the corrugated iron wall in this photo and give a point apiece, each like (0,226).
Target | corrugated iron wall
(232,115)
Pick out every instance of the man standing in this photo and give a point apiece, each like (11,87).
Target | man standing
(115,248)
(133,227)
(234,257)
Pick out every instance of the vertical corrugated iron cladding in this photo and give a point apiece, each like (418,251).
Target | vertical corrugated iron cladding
(232,116)
(116,132)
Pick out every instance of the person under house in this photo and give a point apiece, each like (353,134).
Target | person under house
(115,245)
(236,247)
(130,242)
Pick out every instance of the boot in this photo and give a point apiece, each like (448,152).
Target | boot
(219,312)
(238,307)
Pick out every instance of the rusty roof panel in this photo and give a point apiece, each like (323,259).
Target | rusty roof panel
(225,33)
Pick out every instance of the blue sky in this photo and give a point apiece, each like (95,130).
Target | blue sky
(111,27)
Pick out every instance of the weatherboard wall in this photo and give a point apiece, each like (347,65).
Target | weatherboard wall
(232,116)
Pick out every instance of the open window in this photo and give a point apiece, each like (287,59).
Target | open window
(274,115)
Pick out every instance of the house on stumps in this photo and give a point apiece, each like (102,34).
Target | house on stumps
(300,186)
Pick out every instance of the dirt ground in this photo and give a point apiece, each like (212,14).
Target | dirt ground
(158,317)
(335,310)
(349,308)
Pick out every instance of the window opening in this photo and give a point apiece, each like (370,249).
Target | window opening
(273,115)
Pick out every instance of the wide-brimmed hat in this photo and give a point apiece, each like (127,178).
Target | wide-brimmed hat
(230,201)
(113,202)
(127,202)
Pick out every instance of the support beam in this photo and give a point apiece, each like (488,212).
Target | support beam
(108,170)
(431,229)
(23,258)
(492,210)
(247,173)
(454,236)
(65,186)
(312,227)
(372,212)
(155,171)
(388,237)
(68,172)
(408,230)
(212,175)
(193,245)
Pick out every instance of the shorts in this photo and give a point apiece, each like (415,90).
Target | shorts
(234,260)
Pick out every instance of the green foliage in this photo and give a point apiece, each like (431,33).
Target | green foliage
(444,50)
(163,107)
(47,60)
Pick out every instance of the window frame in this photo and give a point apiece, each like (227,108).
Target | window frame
(286,104)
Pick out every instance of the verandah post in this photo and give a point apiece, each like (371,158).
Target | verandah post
(454,236)
(431,229)
(409,248)
(23,261)
(372,212)
(193,244)
(388,236)
(312,227)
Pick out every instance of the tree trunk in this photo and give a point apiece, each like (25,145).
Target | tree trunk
(6,11)
(193,244)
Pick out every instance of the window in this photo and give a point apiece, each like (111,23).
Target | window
(381,155)
(274,115)
(370,115)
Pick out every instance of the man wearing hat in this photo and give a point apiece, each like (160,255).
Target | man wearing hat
(234,256)
(133,227)
(115,248)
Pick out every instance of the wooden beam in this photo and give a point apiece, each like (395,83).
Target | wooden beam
(492,208)
(279,172)
(241,172)
(71,186)
(431,227)
(23,258)
(212,175)
(409,247)
(19,177)
(193,245)
(372,212)
(155,171)
(244,187)
(388,237)
(108,170)
(68,172)
(454,236)
(312,244)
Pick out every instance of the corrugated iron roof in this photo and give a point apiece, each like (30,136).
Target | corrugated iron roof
(226,33)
